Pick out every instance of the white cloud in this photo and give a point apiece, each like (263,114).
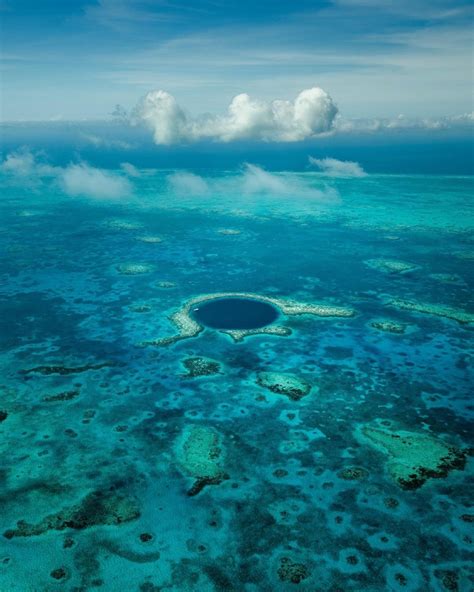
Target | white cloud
(312,113)
(84,180)
(258,180)
(251,181)
(338,168)
(130,170)
(99,142)
(185,183)
(464,121)
(28,168)
(23,163)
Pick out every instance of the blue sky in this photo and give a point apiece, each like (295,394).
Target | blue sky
(377,58)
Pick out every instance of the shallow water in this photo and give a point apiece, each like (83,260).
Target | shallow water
(100,451)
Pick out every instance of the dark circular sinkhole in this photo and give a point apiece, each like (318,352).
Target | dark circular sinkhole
(234,313)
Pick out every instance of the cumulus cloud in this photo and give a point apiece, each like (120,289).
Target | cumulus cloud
(338,168)
(312,113)
(81,179)
(86,181)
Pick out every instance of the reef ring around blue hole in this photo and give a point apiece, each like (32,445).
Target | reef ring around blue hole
(234,313)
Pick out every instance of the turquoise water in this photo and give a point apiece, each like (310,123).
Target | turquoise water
(126,466)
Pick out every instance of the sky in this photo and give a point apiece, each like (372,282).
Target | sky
(395,59)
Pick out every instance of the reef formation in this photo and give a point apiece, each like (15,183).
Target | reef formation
(439,310)
(201,455)
(133,268)
(289,385)
(391,265)
(188,327)
(97,508)
(413,457)
(200,366)
(389,326)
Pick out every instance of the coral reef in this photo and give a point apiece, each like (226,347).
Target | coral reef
(200,366)
(150,239)
(446,278)
(64,396)
(59,573)
(439,310)
(390,265)
(229,231)
(140,308)
(389,326)
(97,508)
(414,457)
(352,473)
(291,571)
(293,387)
(188,327)
(241,334)
(200,454)
(65,370)
(118,224)
(133,268)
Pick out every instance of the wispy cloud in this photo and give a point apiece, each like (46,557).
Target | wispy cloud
(402,123)
(251,180)
(338,168)
(100,142)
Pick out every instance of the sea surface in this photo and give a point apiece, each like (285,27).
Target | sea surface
(127,467)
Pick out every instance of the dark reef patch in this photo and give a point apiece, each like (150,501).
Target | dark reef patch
(352,473)
(64,396)
(291,571)
(65,370)
(95,509)
(293,387)
(200,366)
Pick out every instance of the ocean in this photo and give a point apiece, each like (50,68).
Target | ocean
(327,450)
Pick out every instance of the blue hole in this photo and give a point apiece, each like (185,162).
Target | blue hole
(234,313)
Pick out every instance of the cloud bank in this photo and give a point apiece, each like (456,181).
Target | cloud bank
(312,113)
(400,123)
(338,168)
(75,179)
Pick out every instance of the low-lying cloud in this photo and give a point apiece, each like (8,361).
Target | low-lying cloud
(86,181)
(75,179)
(338,168)
(23,163)
(402,123)
(312,113)
(252,180)
(185,183)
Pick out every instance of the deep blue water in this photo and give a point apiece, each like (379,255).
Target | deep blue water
(442,152)
(235,313)
(120,470)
